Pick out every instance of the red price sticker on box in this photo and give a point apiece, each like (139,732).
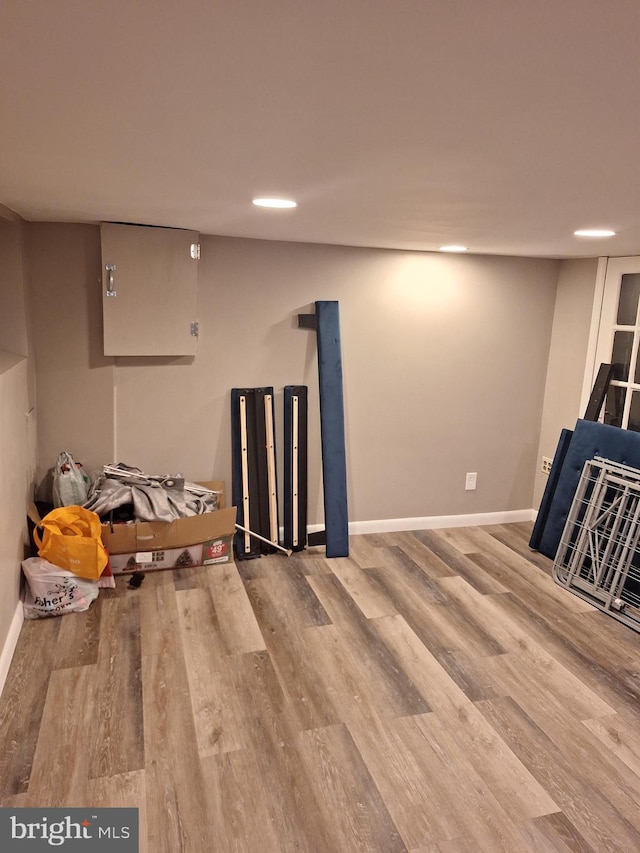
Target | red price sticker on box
(216,550)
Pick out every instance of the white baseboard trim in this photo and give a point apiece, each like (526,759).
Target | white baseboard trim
(10,643)
(433,522)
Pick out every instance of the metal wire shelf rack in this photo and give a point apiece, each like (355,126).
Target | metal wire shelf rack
(598,557)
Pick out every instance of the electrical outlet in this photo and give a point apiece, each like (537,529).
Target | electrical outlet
(470,481)
(546,465)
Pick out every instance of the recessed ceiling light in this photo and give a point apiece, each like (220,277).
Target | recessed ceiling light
(594,232)
(274,202)
(453,248)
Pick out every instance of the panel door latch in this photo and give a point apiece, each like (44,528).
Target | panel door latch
(195,329)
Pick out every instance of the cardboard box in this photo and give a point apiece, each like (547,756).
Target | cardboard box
(198,540)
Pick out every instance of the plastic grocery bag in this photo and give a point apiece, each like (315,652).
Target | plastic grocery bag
(51,591)
(71,539)
(70,483)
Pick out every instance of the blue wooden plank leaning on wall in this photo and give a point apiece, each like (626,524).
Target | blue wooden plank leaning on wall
(334,464)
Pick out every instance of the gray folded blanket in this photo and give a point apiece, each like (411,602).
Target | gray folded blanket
(160,497)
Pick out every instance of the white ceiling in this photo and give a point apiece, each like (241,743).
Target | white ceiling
(503,125)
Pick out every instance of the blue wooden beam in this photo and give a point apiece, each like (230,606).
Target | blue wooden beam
(334,463)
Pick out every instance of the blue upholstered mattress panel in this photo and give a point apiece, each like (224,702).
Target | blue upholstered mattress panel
(550,489)
(589,439)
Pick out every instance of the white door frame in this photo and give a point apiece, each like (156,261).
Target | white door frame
(603,316)
(591,365)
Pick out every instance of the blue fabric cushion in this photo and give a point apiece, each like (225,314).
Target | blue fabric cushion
(550,489)
(589,439)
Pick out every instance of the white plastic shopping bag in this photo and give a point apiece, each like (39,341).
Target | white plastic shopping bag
(70,483)
(52,591)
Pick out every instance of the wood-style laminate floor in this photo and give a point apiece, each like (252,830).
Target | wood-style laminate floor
(434,692)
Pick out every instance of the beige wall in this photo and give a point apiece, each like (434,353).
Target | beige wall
(13,324)
(15,470)
(444,362)
(567,358)
(74,379)
(15,332)
(17,432)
